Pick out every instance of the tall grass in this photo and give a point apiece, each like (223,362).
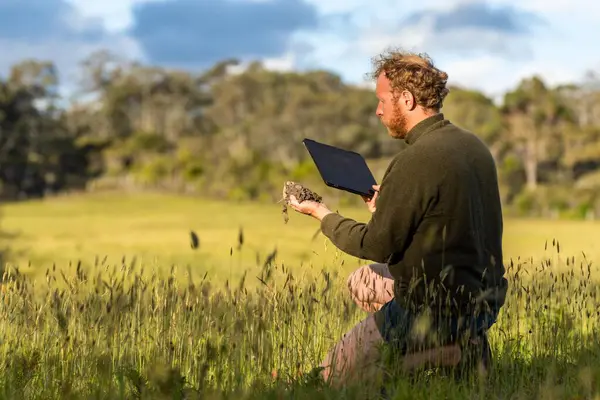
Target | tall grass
(119,332)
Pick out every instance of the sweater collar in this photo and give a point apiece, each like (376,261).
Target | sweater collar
(426,125)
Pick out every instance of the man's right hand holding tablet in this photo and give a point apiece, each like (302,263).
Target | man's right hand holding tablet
(370,202)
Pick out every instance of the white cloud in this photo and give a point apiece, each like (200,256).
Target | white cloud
(482,73)
(494,76)
(337,6)
(584,8)
(284,63)
(561,51)
(381,9)
(116,14)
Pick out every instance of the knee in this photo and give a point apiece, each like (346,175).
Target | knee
(357,279)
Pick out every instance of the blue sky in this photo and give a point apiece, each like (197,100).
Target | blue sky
(487,45)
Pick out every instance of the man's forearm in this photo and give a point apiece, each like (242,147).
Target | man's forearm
(348,235)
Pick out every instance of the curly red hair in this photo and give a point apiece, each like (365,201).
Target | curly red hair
(414,72)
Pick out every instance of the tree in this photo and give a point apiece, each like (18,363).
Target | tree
(37,153)
(582,152)
(235,131)
(535,115)
(476,112)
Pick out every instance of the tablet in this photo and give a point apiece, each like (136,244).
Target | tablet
(341,169)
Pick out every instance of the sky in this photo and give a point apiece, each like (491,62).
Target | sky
(485,45)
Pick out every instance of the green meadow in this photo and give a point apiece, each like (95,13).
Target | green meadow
(155,229)
(104,297)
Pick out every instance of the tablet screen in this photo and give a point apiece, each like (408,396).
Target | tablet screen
(342,169)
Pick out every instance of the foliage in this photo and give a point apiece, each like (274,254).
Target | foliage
(232,132)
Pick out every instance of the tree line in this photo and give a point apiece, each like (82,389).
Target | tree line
(236,133)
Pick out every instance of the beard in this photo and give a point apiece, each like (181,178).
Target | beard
(398,126)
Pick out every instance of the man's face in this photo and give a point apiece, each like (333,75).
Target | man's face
(390,110)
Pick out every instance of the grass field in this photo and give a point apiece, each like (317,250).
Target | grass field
(111,331)
(156,229)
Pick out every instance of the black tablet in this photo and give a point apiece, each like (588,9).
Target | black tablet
(341,169)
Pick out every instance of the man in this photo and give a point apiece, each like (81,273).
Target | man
(436,227)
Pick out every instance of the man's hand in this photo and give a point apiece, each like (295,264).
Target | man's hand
(371,202)
(312,208)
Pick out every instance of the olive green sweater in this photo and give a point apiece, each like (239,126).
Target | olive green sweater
(438,222)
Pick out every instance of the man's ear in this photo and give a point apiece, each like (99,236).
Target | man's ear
(409,100)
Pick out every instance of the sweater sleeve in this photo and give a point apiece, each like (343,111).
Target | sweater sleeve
(402,202)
